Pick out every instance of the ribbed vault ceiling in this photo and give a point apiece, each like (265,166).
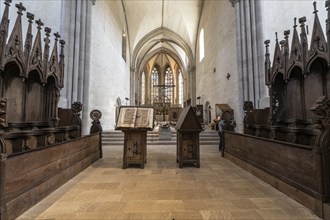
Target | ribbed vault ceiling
(171,24)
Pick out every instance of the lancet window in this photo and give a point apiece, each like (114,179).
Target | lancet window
(143,88)
(169,83)
(180,82)
(154,83)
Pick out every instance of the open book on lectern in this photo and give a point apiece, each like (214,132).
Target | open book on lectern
(135,117)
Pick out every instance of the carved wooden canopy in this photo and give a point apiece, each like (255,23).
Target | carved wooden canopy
(29,55)
(300,54)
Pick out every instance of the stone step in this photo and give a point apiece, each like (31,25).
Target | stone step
(117,138)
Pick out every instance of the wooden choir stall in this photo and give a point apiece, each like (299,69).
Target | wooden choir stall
(287,144)
(41,146)
(135,122)
(188,128)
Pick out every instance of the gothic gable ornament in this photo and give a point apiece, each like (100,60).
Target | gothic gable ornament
(278,59)
(53,67)
(14,49)
(28,43)
(296,54)
(318,45)
(35,61)
(4,32)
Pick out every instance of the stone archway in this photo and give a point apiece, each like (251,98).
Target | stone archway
(163,41)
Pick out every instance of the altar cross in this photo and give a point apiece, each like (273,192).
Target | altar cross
(163,87)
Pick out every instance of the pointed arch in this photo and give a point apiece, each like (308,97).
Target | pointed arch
(154,83)
(143,88)
(169,82)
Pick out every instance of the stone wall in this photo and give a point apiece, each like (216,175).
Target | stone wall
(110,74)
(218,22)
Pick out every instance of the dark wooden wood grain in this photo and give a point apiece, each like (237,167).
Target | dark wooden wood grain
(29,177)
(291,168)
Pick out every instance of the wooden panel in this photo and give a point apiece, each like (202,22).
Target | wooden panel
(21,183)
(294,108)
(14,95)
(188,148)
(31,176)
(34,93)
(31,197)
(291,168)
(313,80)
(65,116)
(135,148)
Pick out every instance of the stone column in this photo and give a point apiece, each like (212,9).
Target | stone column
(192,85)
(250,55)
(132,86)
(76,31)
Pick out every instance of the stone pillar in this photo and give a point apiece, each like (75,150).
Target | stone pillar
(76,31)
(250,55)
(192,85)
(132,86)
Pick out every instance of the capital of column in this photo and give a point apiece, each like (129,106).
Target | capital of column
(93,2)
(233,2)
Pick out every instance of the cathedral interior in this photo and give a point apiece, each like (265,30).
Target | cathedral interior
(109,109)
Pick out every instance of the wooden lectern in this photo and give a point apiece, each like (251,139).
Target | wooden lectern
(188,128)
(135,122)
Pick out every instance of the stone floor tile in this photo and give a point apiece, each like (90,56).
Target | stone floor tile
(218,190)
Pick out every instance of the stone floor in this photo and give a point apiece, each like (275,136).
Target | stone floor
(217,190)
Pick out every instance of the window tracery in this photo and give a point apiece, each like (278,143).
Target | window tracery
(154,83)
(143,88)
(180,82)
(168,84)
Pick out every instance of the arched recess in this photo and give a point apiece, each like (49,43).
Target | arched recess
(13,91)
(34,97)
(294,96)
(144,67)
(278,96)
(52,95)
(154,81)
(315,84)
(165,41)
(159,36)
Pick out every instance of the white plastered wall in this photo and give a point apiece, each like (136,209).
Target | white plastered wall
(110,74)
(218,22)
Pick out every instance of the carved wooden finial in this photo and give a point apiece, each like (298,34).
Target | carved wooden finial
(62,42)
(286,33)
(30,16)
(302,20)
(46,39)
(48,30)
(7,2)
(20,8)
(315,9)
(39,23)
(295,22)
(276,38)
(266,42)
(57,36)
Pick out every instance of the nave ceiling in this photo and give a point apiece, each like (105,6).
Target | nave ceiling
(169,26)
